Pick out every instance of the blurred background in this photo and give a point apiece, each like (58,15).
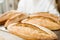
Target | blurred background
(58,5)
(6,5)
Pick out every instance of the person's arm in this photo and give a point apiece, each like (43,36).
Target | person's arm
(52,8)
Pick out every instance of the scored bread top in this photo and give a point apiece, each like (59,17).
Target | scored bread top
(31,31)
(46,15)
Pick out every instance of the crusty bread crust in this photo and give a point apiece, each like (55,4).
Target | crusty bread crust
(34,33)
(16,18)
(47,15)
(11,15)
(44,19)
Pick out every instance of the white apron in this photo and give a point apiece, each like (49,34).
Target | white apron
(32,6)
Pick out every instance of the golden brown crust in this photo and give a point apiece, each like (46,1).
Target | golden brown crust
(16,18)
(12,16)
(43,22)
(47,15)
(26,32)
(6,16)
(44,19)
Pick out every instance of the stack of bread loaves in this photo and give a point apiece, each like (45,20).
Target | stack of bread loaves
(36,26)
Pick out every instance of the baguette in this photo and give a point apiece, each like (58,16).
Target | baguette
(47,15)
(31,31)
(4,17)
(16,18)
(11,16)
(44,20)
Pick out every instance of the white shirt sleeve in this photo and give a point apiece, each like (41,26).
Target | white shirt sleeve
(18,6)
(52,8)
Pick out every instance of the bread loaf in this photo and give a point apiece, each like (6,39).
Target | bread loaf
(44,19)
(31,32)
(16,18)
